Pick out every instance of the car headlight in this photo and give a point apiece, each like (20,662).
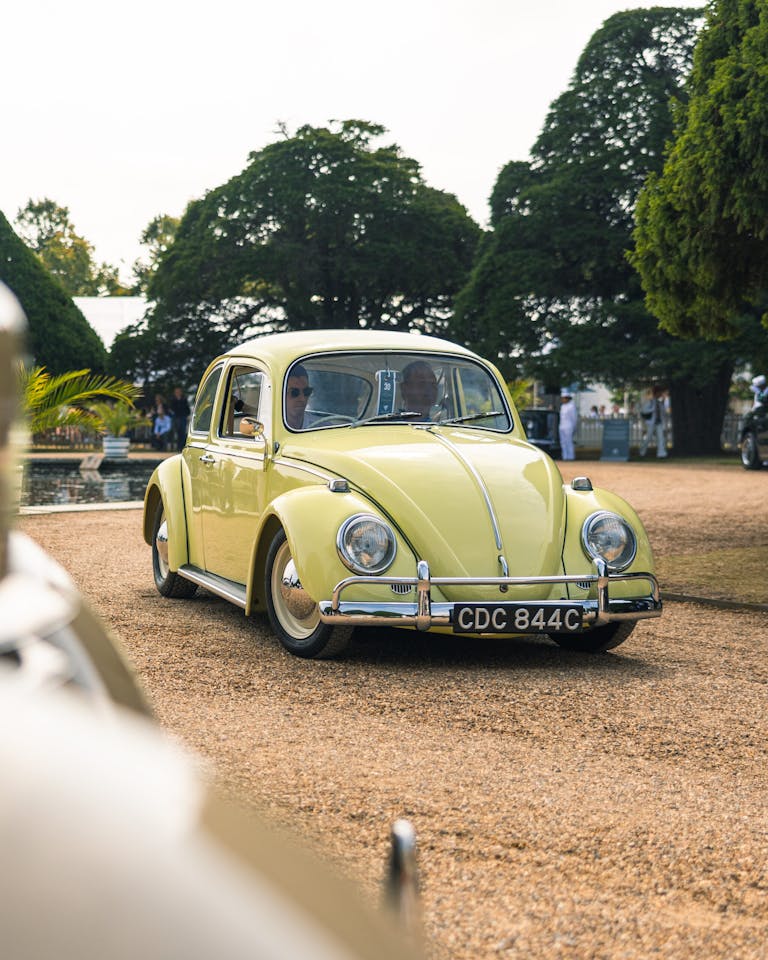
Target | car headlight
(607,536)
(366,544)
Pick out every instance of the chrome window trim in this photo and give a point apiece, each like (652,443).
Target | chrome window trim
(438,355)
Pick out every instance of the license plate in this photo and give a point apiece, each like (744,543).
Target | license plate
(517,618)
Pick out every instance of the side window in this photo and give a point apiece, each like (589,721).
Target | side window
(206,395)
(243,400)
(337,393)
(482,401)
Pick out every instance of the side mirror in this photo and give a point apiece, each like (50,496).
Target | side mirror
(250,427)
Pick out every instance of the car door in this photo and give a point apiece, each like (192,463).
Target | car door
(233,475)
(196,459)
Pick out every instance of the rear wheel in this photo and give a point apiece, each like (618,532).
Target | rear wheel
(294,615)
(597,640)
(169,584)
(750,452)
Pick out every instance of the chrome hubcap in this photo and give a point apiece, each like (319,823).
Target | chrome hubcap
(161,542)
(298,603)
(295,610)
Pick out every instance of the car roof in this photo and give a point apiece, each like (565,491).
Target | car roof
(282,348)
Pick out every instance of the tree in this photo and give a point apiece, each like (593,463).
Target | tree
(46,228)
(702,223)
(320,230)
(59,336)
(157,237)
(552,293)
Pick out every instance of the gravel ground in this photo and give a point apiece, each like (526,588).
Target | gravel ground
(565,805)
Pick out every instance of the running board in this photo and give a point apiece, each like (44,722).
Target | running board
(229,589)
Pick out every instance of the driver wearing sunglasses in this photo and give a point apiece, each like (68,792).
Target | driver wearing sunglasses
(297,393)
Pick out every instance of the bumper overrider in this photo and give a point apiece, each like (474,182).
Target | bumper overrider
(424,614)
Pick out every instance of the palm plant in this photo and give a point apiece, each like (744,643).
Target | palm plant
(521,392)
(60,400)
(117,418)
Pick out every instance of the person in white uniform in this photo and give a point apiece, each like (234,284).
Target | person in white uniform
(567,425)
(758,387)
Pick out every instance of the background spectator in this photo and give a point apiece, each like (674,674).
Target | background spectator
(179,409)
(162,428)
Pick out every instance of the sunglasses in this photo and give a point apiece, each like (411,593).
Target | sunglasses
(297,391)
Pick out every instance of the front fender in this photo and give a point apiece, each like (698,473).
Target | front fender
(579,505)
(311,517)
(165,485)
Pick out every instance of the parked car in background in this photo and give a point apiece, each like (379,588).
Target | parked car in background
(344,479)
(541,429)
(754,438)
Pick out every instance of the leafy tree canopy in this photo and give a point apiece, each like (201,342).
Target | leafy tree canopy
(552,278)
(702,223)
(552,292)
(322,229)
(59,336)
(46,228)
(157,237)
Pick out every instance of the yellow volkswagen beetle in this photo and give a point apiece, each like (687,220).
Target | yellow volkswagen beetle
(342,479)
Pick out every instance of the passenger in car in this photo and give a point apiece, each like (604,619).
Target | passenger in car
(419,388)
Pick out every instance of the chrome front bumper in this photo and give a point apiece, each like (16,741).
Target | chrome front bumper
(424,614)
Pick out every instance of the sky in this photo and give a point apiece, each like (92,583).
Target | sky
(121,111)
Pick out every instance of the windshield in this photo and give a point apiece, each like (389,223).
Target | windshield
(331,390)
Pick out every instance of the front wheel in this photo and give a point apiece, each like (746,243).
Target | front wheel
(294,615)
(597,640)
(169,584)
(750,452)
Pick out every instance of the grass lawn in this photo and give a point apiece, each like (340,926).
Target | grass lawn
(735,574)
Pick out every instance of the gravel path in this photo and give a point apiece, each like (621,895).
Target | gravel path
(565,805)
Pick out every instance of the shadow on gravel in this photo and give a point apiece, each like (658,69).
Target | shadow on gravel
(403,648)
(391,648)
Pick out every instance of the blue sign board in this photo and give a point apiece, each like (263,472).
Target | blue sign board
(615,440)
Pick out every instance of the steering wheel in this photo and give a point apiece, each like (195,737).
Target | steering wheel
(338,418)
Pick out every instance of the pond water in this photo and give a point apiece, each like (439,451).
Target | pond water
(61,482)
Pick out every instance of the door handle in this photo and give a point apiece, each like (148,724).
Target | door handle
(207,458)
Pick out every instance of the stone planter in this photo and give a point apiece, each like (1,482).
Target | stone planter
(116,448)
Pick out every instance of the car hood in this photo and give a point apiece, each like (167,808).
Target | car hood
(435,484)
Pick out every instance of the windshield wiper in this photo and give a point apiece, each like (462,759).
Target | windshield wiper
(472,416)
(410,414)
(384,417)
